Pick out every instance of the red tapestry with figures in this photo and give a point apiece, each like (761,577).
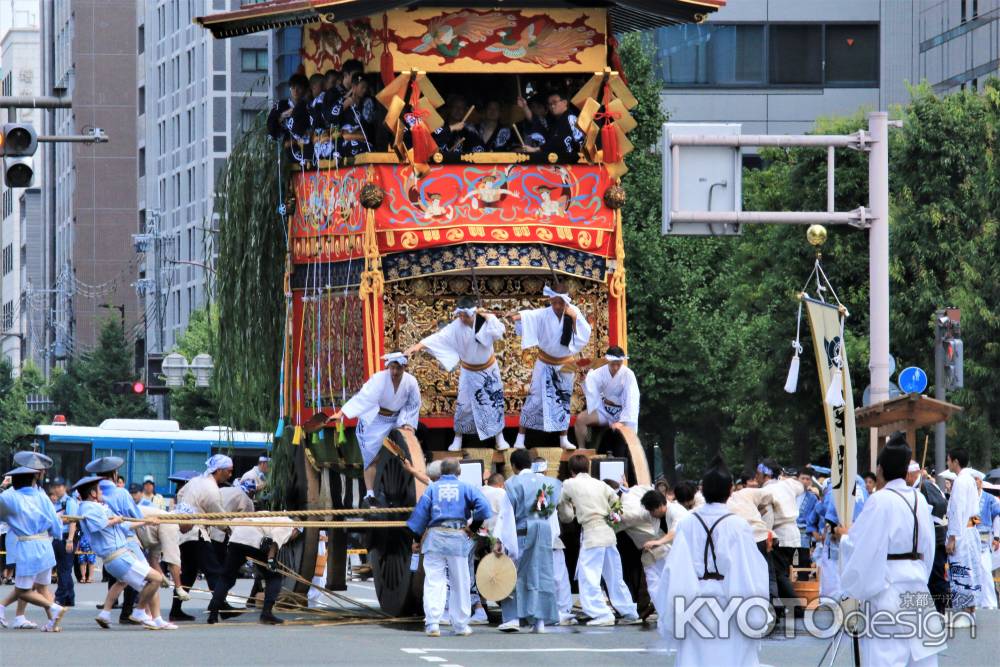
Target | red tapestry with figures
(463,40)
(556,205)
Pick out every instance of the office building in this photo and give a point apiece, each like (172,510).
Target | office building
(89,190)
(777,65)
(195,96)
(21,256)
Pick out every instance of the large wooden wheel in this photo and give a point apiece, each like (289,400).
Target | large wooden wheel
(397,588)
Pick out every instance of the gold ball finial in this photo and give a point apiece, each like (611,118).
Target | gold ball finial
(816,235)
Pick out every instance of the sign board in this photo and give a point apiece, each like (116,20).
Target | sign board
(614,469)
(913,380)
(472,473)
(708,178)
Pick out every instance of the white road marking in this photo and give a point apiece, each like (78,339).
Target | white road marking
(432,658)
(413,651)
(574,649)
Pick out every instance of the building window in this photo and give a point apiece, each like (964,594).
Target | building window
(760,55)
(8,315)
(190,124)
(142,162)
(714,54)
(852,54)
(253,60)
(8,258)
(141,100)
(140,39)
(796,54)
(247,118)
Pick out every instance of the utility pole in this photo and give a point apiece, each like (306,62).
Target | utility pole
(940,432)
(878,265)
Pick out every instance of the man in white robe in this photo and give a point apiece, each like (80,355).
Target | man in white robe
(590,501)
(713,556)
(612,396)
(390,399)
(962,545)
(783,518)
(645,513)
(887,558)
(987,594)
(559,331)
(468,341)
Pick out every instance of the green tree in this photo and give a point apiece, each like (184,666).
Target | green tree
(17,422)
(197,407)
(85,391)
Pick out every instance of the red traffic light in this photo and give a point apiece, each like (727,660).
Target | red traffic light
(138,387)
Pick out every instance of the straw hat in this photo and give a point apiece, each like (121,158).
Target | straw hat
(496,577)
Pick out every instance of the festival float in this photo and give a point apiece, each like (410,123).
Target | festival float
(382,244)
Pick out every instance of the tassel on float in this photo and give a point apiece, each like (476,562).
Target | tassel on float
(835,394)
(792,381)
(280,430)
(297,436)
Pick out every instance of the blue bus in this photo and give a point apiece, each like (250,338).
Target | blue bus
(152,447)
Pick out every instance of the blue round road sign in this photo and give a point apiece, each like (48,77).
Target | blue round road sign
(912,380)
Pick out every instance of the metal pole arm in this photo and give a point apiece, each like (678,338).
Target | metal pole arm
(16,102)
(73,138)
(859,140)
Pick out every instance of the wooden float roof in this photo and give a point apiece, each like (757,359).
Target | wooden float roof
(626,15)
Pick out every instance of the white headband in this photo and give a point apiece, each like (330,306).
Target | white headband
(471,312)
(218,462)
(395,357)
(914,467)
(611,357)
(552,294)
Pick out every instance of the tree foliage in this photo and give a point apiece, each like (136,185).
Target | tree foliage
(197,407)
(17,422)
(251,270)
(85,391)
(710,319)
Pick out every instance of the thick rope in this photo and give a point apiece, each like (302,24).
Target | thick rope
(165,518)
(353,525)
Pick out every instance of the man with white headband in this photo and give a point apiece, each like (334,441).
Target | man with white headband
(258,473)
(201,495)
(612,396)
(390,399)
(962,545)
(468,341)
(559,331)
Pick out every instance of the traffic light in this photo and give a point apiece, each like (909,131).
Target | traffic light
(954,352)
(19,142)
(136,387)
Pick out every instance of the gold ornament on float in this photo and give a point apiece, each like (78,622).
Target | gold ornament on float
(816,235)
(371,195)
(614,197)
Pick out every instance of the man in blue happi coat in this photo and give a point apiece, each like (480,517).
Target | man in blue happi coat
(33,525)
(534,501)
(120,502)
(441,530)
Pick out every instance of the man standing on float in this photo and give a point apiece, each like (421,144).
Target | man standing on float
(468,340)
(559,331)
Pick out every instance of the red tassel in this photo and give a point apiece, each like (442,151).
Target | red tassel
(424,145)
(609,142)
(386,65)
